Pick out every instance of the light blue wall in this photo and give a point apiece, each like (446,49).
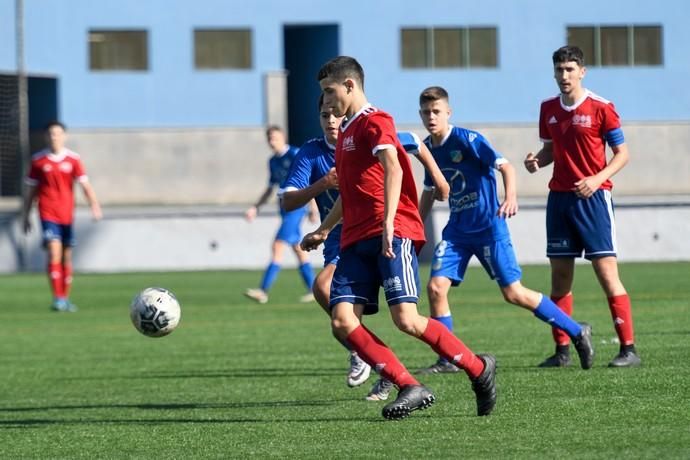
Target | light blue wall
(172,93)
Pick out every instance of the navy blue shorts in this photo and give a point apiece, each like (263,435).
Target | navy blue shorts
(574,225)
(496,256)
(289,230)
(362,270)
(59,232)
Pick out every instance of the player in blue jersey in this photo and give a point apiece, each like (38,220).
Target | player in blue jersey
(289,234)
(313,176)
(477,225)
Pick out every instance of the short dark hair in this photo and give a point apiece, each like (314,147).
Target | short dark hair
(52,123)
(568,54)
(342,67)
(273,128)
(433,93)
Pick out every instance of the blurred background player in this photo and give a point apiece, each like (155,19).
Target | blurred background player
(381,234)
(477,225)
(574,128)
(313,176)
(289,233)
(51,178)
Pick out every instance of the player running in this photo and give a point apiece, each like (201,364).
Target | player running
(313,176)
(289,233)
(477,225)
(381,234)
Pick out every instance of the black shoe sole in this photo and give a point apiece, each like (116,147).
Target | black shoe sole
(402,411)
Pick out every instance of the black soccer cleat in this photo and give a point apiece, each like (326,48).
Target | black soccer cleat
(484,386)
(410,398)
(626,359)
(556,360)
(439,367)
(583,345)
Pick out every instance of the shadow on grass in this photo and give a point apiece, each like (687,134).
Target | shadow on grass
(183,406)
(259,372)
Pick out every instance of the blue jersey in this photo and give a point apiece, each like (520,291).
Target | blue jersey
(468,161)
(279,166)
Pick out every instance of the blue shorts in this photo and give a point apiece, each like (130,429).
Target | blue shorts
(496,256)
(289,230)
(331,247)
(362,270)
(576,224)
(59,232)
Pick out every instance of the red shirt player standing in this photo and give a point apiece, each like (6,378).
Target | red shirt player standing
(381,233)
(51,179)
(575,127)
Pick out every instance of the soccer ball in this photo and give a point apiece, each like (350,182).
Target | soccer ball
(155,312)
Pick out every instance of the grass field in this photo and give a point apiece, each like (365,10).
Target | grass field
(238,379)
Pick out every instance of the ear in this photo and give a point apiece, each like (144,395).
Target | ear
(349,84)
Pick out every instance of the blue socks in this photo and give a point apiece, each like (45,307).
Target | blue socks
(549,312)
(270,276)
(307,274)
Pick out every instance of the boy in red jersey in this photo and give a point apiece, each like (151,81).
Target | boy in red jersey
(574,128)
(381,234)
(51,178)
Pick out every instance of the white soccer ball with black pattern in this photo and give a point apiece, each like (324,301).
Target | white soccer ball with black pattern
(155,312)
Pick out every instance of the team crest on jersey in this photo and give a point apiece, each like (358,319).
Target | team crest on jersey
(65,167)
(582,120)
(456,156)
(349,143)
(47,168)
(471,137)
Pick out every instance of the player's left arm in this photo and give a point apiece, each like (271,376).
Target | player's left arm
(584,188)
(613,134)
(392,186)
(509,207)
(92,199)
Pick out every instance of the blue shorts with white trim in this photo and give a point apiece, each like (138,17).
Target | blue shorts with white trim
(362,270)
(574,225)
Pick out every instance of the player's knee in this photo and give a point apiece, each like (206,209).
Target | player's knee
(407,324)
(435,291)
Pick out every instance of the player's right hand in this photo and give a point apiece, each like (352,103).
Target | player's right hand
(26,226)
(250,213)
(531,163)
(312,240)
(331,179)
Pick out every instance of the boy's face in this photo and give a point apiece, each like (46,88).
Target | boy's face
(55,137)
(568,76)
(337,95)
(329,124)
(435,116)
(276,140)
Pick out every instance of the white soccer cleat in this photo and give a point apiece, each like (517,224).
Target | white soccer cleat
(359,370)
(258,295)
(381,390)
(307,298)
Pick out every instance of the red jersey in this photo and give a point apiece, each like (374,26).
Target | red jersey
(578,136)
(360,177)
(54,176)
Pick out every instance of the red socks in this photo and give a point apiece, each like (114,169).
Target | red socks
(373,351)
(622,318)
(450,347)
(565,303)
(66,279)
(56,277)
